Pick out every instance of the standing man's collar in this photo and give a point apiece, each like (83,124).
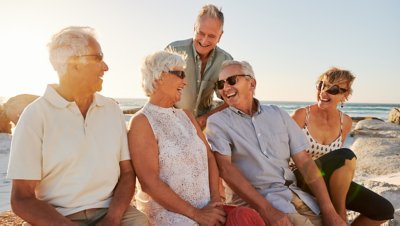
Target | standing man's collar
(197,56)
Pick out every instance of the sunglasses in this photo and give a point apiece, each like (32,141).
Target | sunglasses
(231,80)
(333,90)
(99,57)
(180,74)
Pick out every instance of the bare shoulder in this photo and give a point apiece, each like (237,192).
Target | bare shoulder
(299,116)
(190,116)
(139,121)
(347,123)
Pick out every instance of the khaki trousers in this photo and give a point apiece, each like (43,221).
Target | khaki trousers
(132,217)
(304,216)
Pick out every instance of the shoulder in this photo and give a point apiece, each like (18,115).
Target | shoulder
(139,121)
(220,115)
(189,115)
(180,44)
(299,116)
(221,52)
(347,123)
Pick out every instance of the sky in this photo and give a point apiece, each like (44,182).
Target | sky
(289,43)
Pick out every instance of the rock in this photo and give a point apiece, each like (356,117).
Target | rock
(377,146)
(394,116)
(5,122)
(15,105)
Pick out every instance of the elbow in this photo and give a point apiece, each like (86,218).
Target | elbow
(149,183)
(224,171)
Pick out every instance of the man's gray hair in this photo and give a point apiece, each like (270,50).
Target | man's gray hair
(244,65)
(156,63)
(211,11)
(70,41)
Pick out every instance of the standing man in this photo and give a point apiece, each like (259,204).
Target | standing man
(69,158)
(203,63)
(253,144)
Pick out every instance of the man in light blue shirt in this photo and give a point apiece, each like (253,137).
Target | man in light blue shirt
(203,63)
(253,144)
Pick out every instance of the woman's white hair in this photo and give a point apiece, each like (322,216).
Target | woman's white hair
(156,63)
(70,41)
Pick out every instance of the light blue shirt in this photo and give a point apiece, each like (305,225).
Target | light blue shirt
(260,146)
(197,96)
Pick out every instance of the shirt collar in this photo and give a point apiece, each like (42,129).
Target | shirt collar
(57,100)
(241,113)
(197,57)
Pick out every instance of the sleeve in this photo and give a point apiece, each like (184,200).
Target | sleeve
(25,160)
(125,155)
(297,139)
(217,135)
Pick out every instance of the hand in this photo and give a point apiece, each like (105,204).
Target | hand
(202,121)
(333,218)
(210,215)
(274,217)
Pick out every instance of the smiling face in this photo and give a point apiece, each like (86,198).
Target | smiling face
(331,94)
(171,85)
(207,33)
(239,95)
(89,68)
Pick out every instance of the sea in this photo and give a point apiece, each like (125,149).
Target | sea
(380,111)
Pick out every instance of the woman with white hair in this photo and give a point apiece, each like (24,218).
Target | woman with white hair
(177,173)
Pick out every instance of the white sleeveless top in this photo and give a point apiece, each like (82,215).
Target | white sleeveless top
(316,149)
(183,164)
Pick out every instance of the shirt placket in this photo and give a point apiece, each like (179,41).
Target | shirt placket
(259,134)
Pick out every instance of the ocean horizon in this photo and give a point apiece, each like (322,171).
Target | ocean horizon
(380,111)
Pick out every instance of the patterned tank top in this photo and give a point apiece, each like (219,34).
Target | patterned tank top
(316,149)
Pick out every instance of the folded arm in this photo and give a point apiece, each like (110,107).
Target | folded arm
(241,186)
(122,196)
(144,152)
(315,182)
(36,212)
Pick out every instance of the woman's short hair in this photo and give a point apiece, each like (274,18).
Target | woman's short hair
(70,41)
(244,65)
(337,75)
(156,63)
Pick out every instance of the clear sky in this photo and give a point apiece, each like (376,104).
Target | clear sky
(289,43)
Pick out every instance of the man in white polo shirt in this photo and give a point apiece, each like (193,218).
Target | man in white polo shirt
(69,158)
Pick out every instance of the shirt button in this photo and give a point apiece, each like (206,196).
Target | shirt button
(258,134)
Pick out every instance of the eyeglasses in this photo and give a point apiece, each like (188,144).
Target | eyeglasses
(333,90)
(180,74)
(99,56)
(231,80)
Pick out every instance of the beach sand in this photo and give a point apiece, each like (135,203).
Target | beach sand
(376,144)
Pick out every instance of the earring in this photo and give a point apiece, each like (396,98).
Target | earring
(341,104)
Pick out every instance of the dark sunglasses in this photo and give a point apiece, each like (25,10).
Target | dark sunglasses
(333,90)
(231,80)
(180,74)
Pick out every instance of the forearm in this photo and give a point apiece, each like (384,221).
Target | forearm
(122,196)
(166,197)
(316,183)
(213,179)
(202,120)
(241,186)
(37,212)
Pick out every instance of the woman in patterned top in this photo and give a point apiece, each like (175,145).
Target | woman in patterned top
(326,128)
(177,172)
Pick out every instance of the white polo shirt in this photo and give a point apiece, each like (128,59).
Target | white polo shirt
(75,159)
